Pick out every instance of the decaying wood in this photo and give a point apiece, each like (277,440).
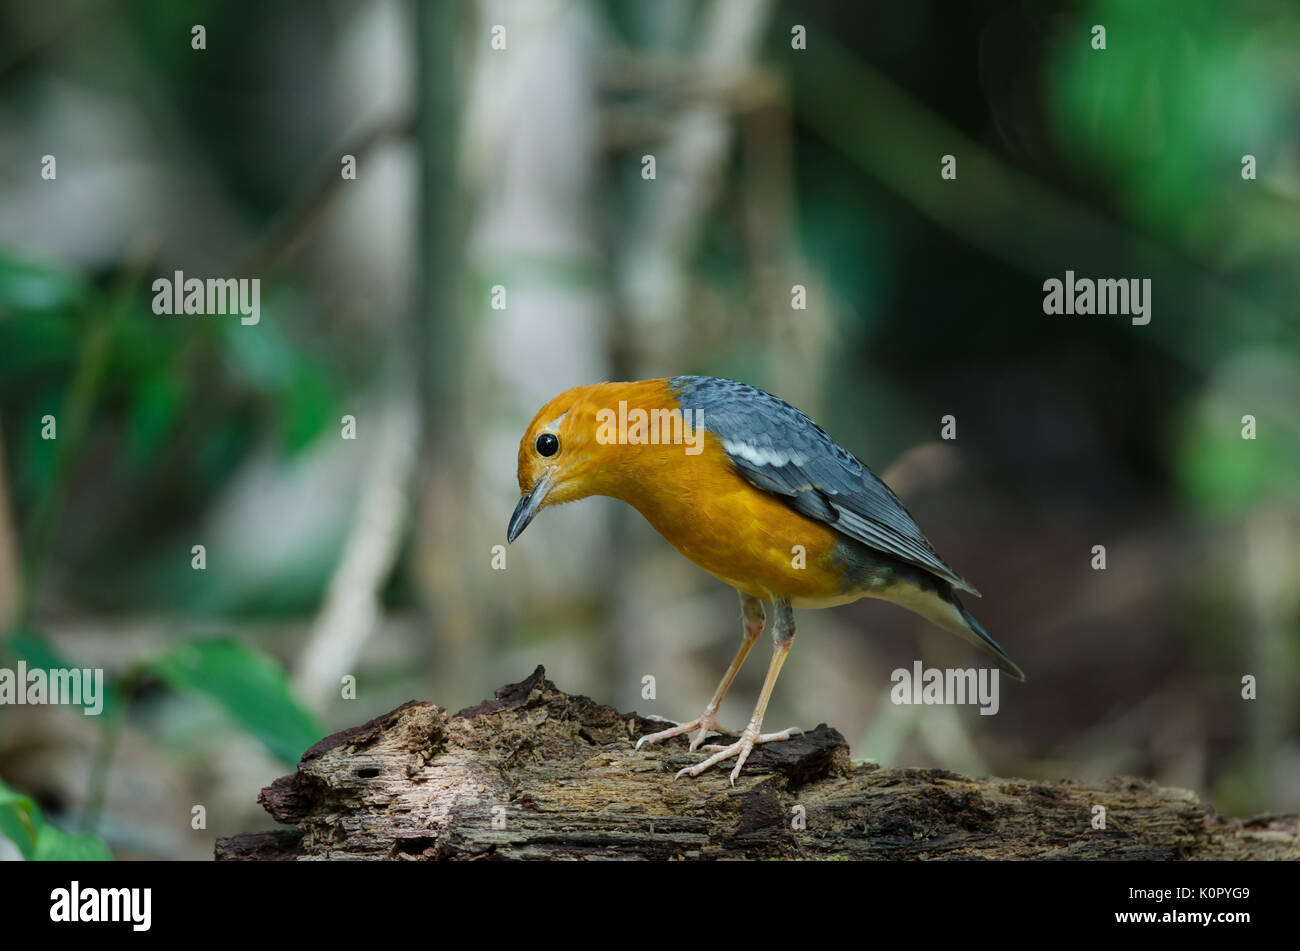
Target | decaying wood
(539,774)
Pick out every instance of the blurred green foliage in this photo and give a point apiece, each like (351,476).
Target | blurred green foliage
(23,823)
(249,686)
(155,384)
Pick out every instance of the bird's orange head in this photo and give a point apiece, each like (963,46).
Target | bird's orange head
(561,458)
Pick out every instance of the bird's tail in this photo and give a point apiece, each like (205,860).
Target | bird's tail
(945,609)
(980,638)
(935,600)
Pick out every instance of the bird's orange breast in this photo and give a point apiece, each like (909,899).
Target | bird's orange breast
(747,537)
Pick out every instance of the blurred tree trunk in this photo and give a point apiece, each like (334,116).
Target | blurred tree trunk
(539,314)
(439,342)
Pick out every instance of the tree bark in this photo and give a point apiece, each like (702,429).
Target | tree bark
(539,774)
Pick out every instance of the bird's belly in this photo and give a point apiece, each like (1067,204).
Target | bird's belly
(755,543)
(832,602)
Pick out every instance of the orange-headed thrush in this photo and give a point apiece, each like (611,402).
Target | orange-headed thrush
(752,491)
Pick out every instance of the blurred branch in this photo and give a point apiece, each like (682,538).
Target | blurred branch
(74,419)
(437,317)
(437,335)
(676,80)
(281,238)
(1268,572)
(689,165)
(109,736)
(11,576)
(675,85)
(352,603)
(75,21)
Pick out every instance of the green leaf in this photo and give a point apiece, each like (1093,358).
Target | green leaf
(250,686)
(55,845)
(22,823)
(34,287)
(306,407)
(20,819)
(158,401)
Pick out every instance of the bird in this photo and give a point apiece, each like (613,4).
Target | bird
(757,494)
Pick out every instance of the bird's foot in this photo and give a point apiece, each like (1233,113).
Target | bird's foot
(707,722)
(740,749)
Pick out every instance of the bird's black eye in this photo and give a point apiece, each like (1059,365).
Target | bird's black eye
(548,444)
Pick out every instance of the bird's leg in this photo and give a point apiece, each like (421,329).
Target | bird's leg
(752,613)
(783,634)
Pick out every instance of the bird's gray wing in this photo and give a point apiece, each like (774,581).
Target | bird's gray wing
(780,450)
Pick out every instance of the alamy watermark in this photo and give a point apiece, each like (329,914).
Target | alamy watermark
(953,685)
(654,427)
(58,685)
(1084,296)
(178,295)
(75,903)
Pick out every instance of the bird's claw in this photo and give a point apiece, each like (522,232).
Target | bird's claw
(740,749)
(787,733)
(707,722)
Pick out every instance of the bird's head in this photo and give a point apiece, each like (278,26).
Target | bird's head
(560,457)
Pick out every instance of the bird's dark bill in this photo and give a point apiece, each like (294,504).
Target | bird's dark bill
(527,508)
